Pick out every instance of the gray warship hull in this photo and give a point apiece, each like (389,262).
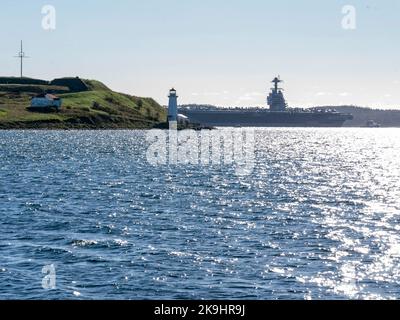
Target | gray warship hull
(266,118)
(278,114)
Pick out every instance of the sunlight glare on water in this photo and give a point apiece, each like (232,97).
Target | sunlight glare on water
(318,218)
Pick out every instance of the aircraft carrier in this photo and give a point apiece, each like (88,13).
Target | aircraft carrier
(278,114)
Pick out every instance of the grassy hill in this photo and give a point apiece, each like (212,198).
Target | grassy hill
(95,107)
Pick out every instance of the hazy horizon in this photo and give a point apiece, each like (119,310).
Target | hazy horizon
(214,52)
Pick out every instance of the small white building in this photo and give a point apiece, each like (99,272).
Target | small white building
(45,101)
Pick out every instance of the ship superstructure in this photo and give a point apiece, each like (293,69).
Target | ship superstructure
(276,100)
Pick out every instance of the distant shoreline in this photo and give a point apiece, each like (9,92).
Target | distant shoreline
(64,125)
(3,129)
(91,105)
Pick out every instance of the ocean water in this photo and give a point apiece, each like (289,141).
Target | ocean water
(317,218)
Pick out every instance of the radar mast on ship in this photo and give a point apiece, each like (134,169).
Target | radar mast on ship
(276,100)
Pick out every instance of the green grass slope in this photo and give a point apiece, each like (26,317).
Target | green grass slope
(98,108)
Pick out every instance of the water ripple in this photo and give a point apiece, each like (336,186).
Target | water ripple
(318,218)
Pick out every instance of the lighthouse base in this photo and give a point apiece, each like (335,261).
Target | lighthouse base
(173,125)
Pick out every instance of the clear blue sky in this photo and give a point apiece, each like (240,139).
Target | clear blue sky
(214,51)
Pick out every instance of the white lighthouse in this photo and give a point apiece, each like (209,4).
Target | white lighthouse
(173,110)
